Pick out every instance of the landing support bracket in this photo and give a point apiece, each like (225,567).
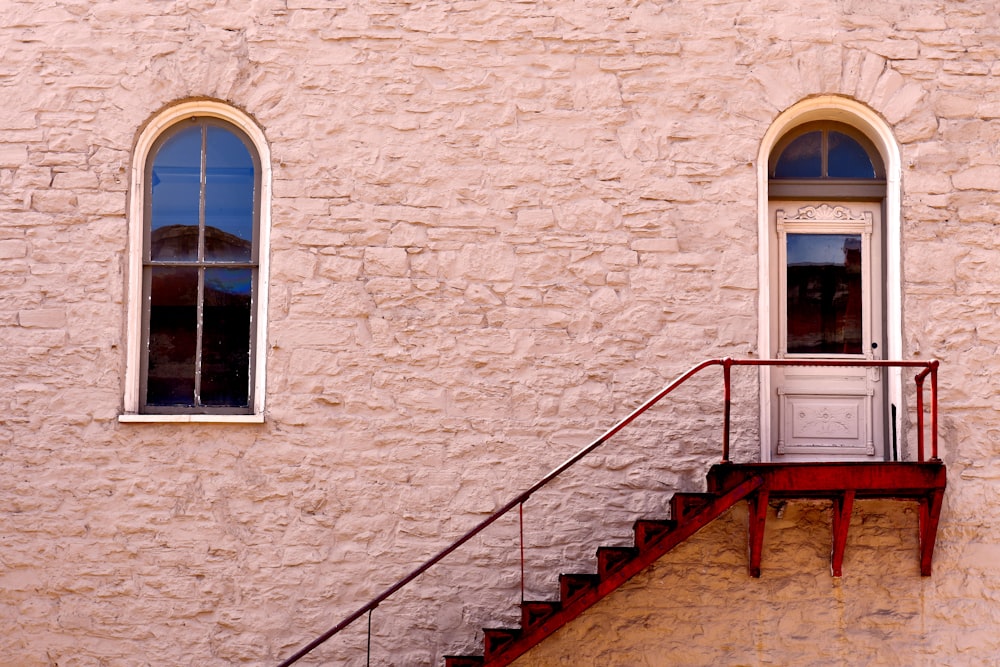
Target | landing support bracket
(842,507)
(930,513)
(842,483)
(758,519)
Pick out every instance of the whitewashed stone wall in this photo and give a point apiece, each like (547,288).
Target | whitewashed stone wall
(497,227)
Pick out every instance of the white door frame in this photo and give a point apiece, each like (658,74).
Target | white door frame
(866,121)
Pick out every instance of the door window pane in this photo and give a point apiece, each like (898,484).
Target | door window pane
(823,308)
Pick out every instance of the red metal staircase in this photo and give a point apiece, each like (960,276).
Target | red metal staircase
(727,485)
(921,480)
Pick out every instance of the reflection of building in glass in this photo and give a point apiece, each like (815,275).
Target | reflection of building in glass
(824,294)
(180,242)
(180,372)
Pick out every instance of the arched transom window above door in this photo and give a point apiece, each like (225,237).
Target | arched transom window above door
(825,157)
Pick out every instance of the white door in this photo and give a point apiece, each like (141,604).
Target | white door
(827,305)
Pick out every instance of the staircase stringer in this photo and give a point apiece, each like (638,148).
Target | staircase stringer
(686,528)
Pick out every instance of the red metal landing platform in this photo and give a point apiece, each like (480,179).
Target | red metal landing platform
(842,483)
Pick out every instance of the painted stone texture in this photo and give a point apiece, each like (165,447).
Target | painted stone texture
(497,227)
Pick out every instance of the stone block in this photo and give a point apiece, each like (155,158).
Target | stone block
(903,103)
(492,262)
(42,318)
(54,201)
(292,265)
(386,262)
(102,203)
(619,257)
(979,177)
(535,218)
(13,248)
(13,156)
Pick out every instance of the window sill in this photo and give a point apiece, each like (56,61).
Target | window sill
(190,419)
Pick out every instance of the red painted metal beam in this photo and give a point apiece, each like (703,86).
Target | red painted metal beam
(930,513)
(842,507)
(758,519)
(876,480)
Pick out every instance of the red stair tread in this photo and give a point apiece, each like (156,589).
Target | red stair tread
(536,612)
(648,531)
(572,586)
(686,504)
(612,559)
(497,640)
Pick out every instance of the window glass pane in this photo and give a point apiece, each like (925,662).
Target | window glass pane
(802,158)
(229,181)
(176,192)
(173,324)
(226,337)
(847,158)
(823,307)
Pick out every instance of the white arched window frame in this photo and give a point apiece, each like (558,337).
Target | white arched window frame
(866,121)
(134,333)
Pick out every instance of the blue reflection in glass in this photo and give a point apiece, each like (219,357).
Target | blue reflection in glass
(176,196)
(226,337)
(229,195)
(821,249)
(236,282)
(802,158)
(847,158)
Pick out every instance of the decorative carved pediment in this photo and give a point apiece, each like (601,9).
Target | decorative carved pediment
(826,213)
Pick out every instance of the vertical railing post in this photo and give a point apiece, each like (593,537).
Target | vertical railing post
(368,650)
(934,411)
(727,365)
(520,515)
(920,415)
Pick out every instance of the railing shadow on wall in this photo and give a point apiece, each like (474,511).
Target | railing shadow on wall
(926,369)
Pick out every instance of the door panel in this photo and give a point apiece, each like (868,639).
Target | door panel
(827,305)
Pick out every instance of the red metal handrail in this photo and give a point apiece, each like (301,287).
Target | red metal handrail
(929,368)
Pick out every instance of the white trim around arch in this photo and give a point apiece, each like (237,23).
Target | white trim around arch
(147,137)
(861,117)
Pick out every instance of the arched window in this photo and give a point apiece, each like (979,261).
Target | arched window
(198,266)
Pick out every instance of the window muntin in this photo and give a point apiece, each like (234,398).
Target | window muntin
(200,270)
